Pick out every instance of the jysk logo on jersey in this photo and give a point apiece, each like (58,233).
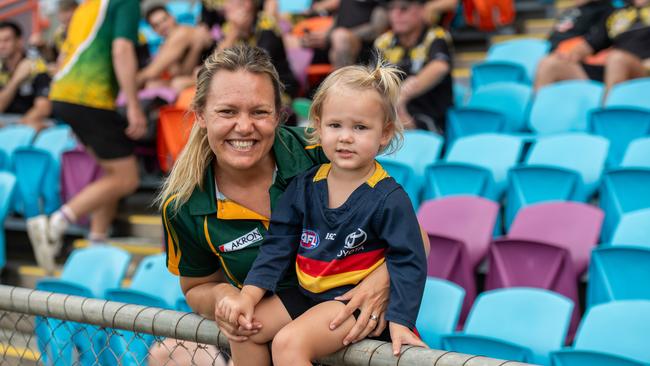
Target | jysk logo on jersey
(242,242)
(309,239)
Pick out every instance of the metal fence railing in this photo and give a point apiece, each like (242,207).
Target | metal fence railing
(38,327)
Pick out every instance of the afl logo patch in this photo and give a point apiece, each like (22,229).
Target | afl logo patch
(309,239)
(355,239)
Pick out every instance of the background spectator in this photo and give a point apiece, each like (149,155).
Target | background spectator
(24,81)
(423,53)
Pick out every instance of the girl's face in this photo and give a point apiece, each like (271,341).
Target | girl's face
(240,117)
(351,128)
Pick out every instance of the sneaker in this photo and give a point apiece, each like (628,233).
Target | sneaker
(56,228)
(37,233)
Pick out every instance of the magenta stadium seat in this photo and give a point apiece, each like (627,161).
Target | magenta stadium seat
(548,246)
(460,229)
(78,169)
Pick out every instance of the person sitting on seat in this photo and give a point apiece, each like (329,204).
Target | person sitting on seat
(626,31)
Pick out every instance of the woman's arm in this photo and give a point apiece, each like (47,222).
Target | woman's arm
(370,297)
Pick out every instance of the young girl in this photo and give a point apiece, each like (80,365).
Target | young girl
(336,223)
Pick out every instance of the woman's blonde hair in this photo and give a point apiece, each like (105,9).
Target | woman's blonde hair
(196,156)
(384,78)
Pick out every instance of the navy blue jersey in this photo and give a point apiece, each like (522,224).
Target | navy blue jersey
(334,249)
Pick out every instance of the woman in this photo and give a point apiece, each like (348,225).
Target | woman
(217,200)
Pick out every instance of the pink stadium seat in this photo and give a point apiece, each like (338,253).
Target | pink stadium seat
(548,246)
(78,169)
(460,229)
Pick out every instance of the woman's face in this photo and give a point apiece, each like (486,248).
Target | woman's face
(240,117)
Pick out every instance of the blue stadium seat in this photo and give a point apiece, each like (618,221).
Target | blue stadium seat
(38,169)
(439,310)
(631,93)
(151,285)
(637,154)
(88,272)
(633,229)
(510,61)
(566,167)
(476,165)
(611,334)
(185,12)
(481,114)
(13,137)
(460,94)
(7,183)
(550,113)
(407,165)
(616,273)
(620,125)
(519,324)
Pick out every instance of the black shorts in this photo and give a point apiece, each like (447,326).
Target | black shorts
(594,72)
(297,303)
(99,129)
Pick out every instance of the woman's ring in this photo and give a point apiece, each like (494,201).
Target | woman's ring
(374,317)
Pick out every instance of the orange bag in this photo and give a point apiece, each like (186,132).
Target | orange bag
(174,126)
(481,13)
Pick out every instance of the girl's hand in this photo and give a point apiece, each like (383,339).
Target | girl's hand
(402,335)
(237,309)
(371,298)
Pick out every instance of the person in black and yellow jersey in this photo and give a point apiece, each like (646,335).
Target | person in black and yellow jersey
(217,201)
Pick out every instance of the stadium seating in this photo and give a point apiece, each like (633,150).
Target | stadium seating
(460,94)
(548,246)
(558,167)
(439,311)
(633,229)
(514,61)
(407,165)
(631,93)
(612,334)
(185,12)
(620,125)
(476,165)
(78,169)
(88,272)
(7,183)
(38,168)
(550,113)
(499,107)
(625,189)
(519,324)
(617,272)
(13,137)
(151,285)
(460,229)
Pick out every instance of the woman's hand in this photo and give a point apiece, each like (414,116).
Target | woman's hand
(233,331)
(402,335)
(371,298)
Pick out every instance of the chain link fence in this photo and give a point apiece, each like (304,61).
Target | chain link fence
(45,328)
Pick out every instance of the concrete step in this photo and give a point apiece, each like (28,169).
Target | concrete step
(467,59)
(509,37)
(544,25)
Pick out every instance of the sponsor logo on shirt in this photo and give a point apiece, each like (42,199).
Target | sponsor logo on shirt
(309,239)
(242,242)
(353,243)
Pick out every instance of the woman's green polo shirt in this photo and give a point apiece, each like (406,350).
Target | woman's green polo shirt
(208,233)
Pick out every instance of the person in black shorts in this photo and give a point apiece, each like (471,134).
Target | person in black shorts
(626,31)
(350,39)
(83,92)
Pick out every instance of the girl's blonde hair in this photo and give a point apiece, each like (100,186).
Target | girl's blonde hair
(384,78)
(189,169)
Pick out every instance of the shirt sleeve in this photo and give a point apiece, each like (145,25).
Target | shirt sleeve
(42,85)
(598,38)
(278,251)
(187,253)
(439,50)
(126,20)
(405,258)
